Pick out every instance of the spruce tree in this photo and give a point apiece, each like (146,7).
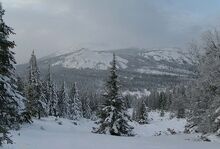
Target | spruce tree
(87,109)
(162,103)
(48,85)
(113,115)
(63,102)
(54,101)
(20,85)
(204,96)
(12,106)
(178,105)
(140,113)
(75,105)
(35,91)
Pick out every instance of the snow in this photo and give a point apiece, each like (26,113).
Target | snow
(15,95)
(169,54)
(138,93)
(159,125)
(217,110)
(85,58)
(100,60)
(152,71)
(48,133)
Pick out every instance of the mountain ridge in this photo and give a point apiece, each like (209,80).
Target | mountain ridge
(138,68)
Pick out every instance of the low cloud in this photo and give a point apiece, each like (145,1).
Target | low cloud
(52,25)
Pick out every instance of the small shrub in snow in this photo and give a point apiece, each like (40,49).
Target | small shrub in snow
(171,131)
(42,128)
(60,123)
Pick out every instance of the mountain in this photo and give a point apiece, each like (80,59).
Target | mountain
(138,68)
(168,61)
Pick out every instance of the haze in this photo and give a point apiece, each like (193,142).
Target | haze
(53,25)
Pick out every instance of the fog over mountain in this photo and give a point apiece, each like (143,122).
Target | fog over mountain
(53,25)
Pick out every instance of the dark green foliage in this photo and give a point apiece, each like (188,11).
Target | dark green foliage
(162,103)
(35,90)
(63,102)
(12,108)
(75,104)
(113,116)
(140,113)
(4,136)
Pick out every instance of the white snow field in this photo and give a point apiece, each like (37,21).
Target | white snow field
(63,134)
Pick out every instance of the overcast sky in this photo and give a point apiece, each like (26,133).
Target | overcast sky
(52,25)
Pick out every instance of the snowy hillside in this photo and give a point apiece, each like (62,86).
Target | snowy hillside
(139,69)
(85,58)
(168,61)
(49,133)
(170,55)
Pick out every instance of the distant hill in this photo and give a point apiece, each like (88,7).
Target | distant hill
(138,68)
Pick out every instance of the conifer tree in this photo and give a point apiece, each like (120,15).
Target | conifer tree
(88,110)
(162,103)
(12,105)
(113,116)
(75,105)
(20,85)
(35,92)
(48,85)
(54,101)
(63,102)
(179,101)
(140,113)
(204,96)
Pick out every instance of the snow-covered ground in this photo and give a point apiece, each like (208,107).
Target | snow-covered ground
(85,58)
(49,133)
(137,94)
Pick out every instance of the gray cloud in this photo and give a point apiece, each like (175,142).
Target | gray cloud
(52,25)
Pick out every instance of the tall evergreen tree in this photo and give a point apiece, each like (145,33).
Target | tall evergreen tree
(54,101)
(140,113)
(48,85)
(87,109)
(35,92)
(75,105)
(162,103)
(63,102)
(113,115)
(205,94)
(20,84)
(178,105)
(12,105)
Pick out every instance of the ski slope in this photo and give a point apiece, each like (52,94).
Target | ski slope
(49,133)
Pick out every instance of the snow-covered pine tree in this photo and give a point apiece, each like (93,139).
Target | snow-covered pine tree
(63,102)
(140,113)
(54,101)
(12,105)
(20,84)
(168,94)
(153,100)
(87,109)
(113,115)
(204,95)
(48,87)
(35,92)
(178,105)
(75,105)
(162,103)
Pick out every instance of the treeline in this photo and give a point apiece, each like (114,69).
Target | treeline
(22,99)
(44,98)
(171,100)
(199,99)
